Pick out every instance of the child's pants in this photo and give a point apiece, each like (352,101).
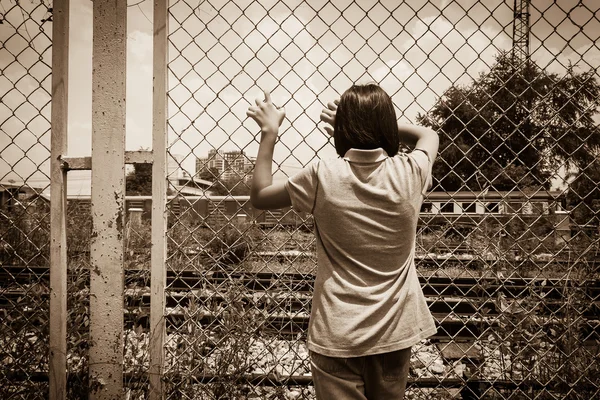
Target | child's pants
(375,377)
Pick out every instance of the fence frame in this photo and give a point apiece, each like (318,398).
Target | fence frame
(108,198)
(58,200)
(158,274)
(108,138)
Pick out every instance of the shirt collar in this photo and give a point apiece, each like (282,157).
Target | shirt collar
(366,156)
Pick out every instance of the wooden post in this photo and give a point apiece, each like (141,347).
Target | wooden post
(58,202)
(159,199)
(108,199)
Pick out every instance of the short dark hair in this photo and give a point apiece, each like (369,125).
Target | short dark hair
(366,119)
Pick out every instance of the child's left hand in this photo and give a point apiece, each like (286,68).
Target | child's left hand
(328,116)
(268,117)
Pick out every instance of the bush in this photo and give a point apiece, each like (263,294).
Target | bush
(25,235)
(193,245)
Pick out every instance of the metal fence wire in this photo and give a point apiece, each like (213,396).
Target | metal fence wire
(25,70)
(512,89)
(508,239)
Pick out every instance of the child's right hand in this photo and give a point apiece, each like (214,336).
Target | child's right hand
(268,117)
(328,116)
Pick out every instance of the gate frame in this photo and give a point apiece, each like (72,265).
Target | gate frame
(109,66)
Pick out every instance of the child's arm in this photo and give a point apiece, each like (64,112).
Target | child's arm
(421,138)
(264,194)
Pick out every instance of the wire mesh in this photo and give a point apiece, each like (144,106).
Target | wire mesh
(508,240)
(507,244)
(25,33)
(25,92)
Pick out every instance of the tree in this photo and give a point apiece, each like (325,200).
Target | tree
(512,126)
(209,174)
(583,197)
(139,181)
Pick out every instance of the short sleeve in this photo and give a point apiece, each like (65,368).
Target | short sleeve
(421,158)
(302,188)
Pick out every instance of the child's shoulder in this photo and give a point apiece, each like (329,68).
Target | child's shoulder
(326,162)
(416,155)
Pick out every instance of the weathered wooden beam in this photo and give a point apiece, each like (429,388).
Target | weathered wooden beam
(76,163)
(139,157)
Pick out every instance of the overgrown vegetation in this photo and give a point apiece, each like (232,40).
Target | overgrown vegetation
(216,356)
(212,348)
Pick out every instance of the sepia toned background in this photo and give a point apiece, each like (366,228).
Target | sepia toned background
(508,240)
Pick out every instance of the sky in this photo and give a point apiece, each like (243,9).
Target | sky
(223,54)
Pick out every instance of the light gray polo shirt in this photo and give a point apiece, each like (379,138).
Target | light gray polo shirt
(367,297)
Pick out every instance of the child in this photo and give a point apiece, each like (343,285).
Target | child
(368,308)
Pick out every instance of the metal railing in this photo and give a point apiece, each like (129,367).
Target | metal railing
(508,238)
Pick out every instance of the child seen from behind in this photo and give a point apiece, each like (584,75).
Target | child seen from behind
(368,308)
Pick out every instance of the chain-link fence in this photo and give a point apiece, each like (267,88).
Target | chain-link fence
(508,240)
(25,71)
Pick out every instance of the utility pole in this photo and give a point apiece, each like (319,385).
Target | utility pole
(520,35)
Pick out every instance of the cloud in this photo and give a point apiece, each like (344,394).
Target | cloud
(220,61)
(434,56)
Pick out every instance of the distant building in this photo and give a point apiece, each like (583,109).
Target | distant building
(214,160)
(226,164)
(12,194)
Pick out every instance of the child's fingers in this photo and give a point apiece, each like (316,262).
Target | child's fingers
(333,106)
(328,112)
(281,115)
(327,116)
(323,117)
(253,113)
(329,130)
(267,96)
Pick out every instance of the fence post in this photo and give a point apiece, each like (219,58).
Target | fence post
(159,199)
(108,193)
(58,202)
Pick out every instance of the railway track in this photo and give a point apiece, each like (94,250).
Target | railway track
(466,311)
(467,287)
(464,308)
